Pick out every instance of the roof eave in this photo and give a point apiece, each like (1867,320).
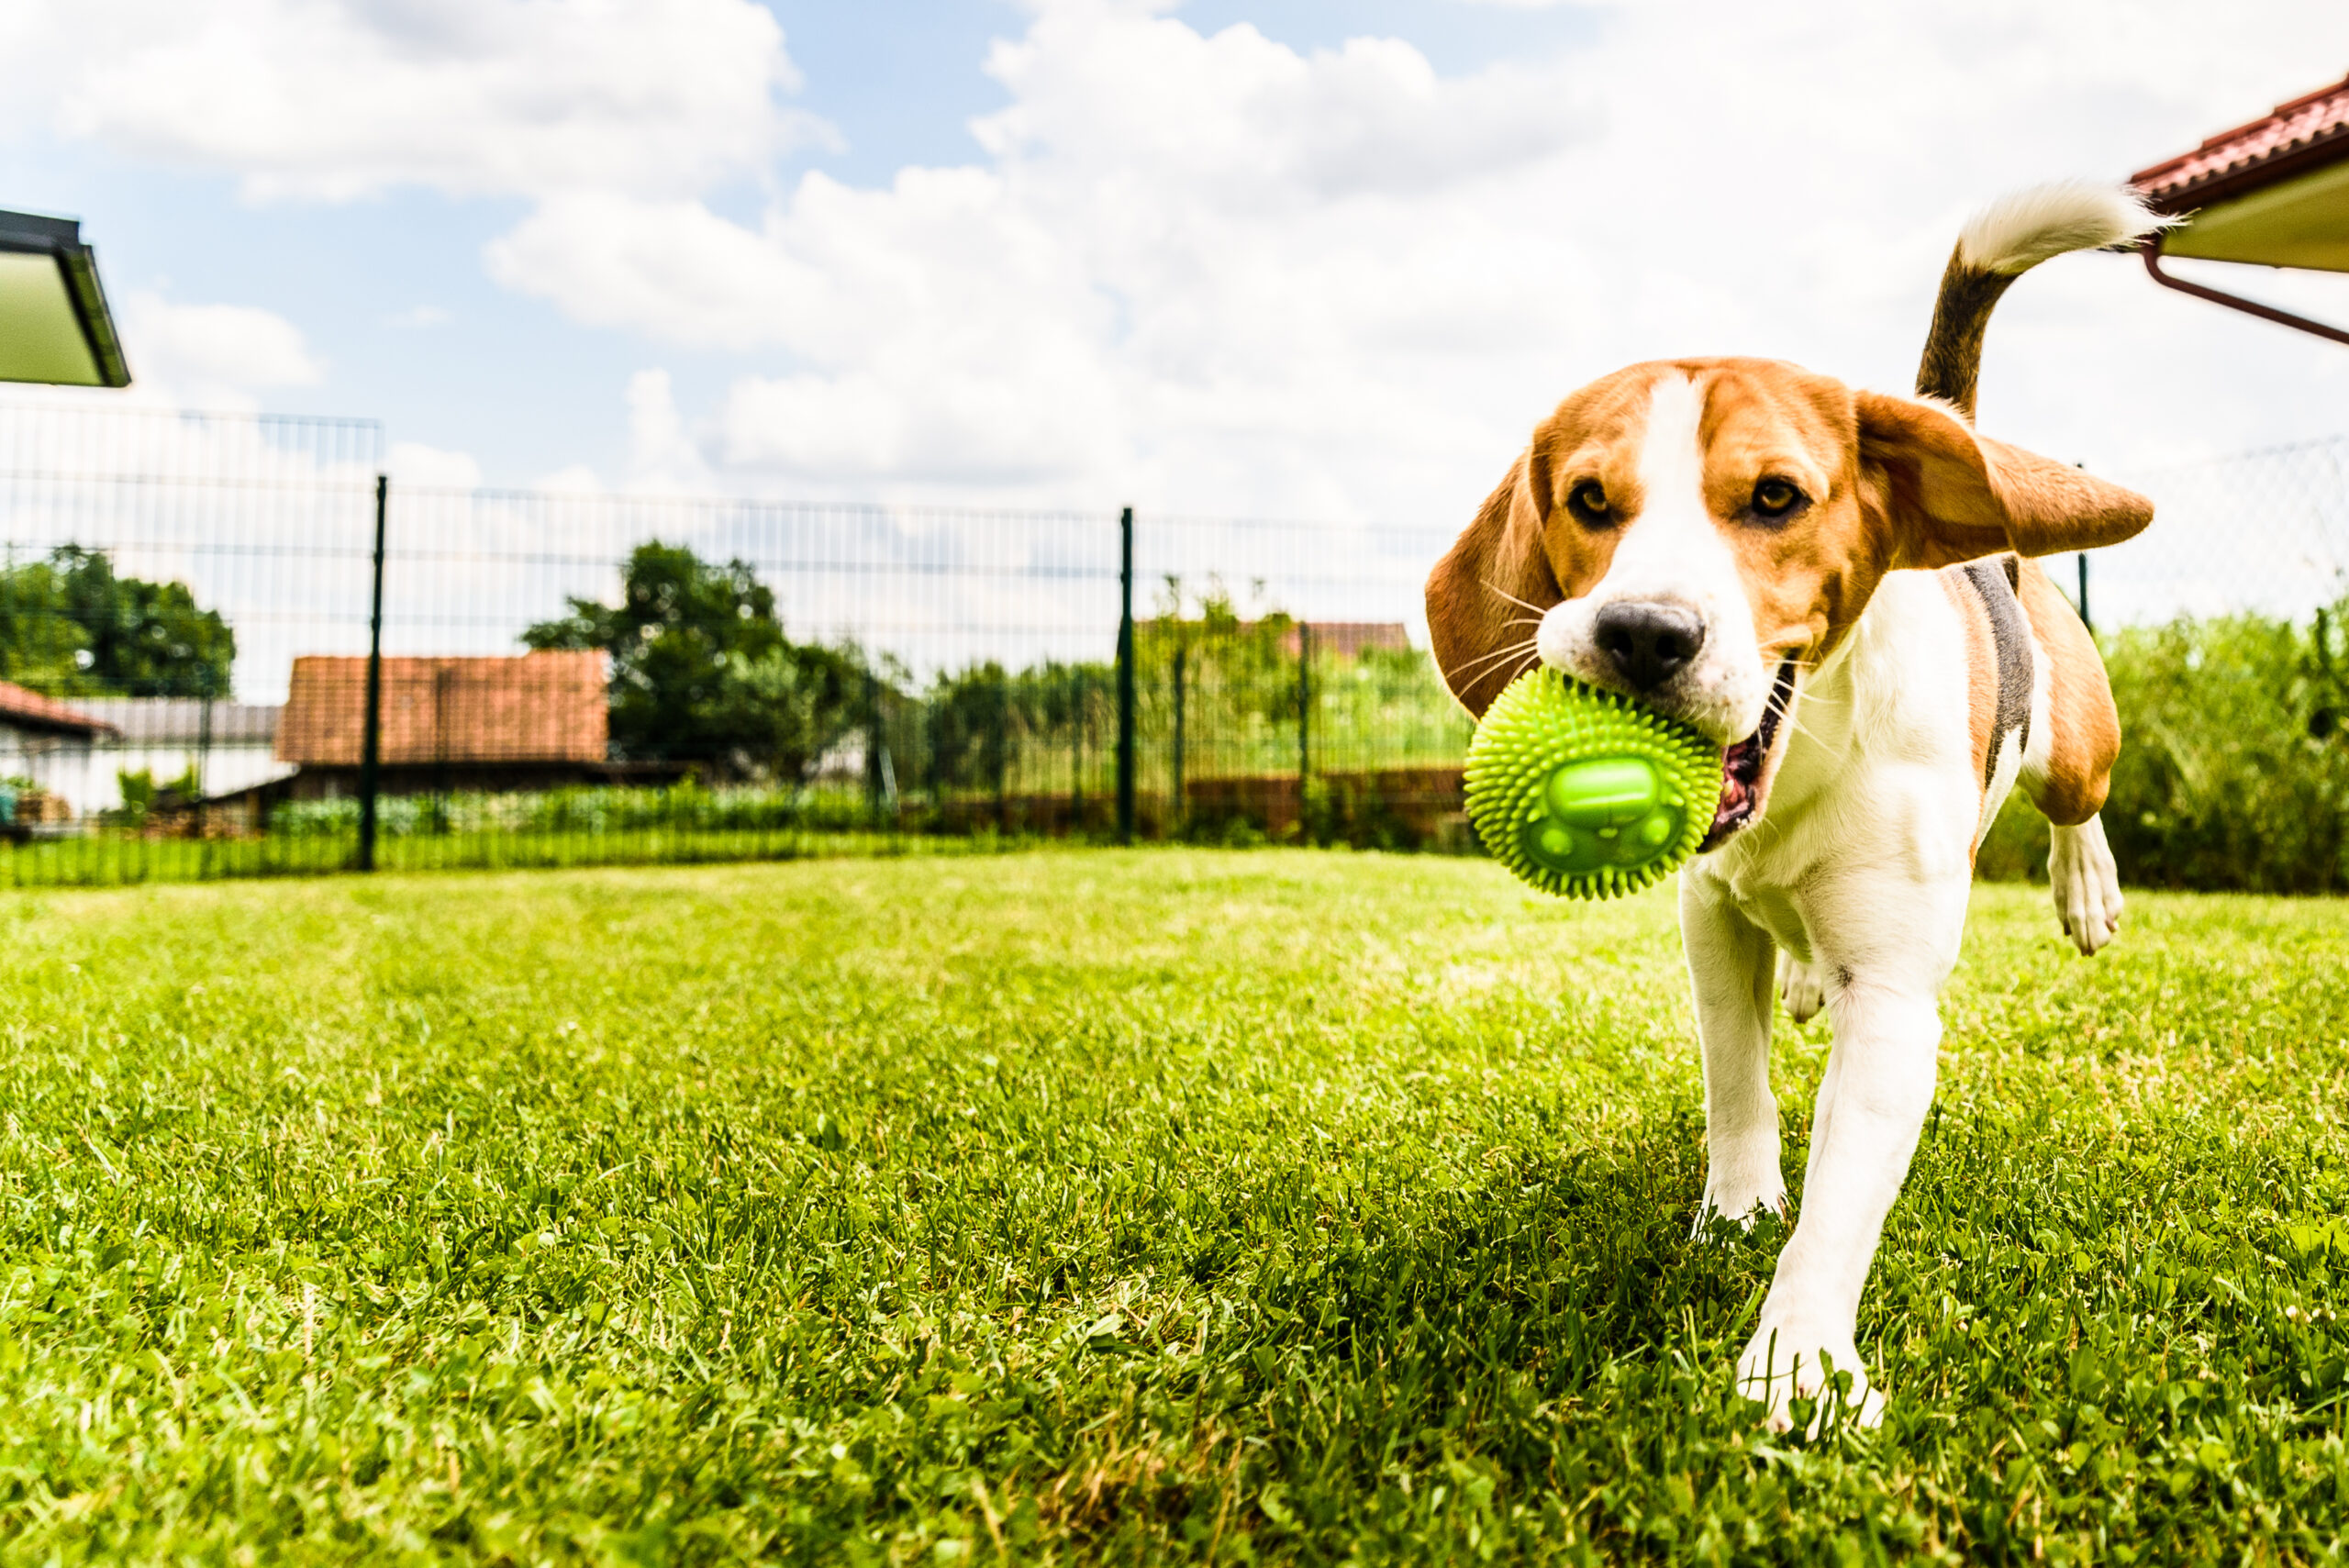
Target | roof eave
(61,240)
(2321,151)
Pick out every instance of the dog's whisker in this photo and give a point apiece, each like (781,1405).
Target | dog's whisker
(1519,646)
(1512,599)
(1493,657)
(1513,651)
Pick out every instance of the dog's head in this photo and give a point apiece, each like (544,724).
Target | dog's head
(1700,533)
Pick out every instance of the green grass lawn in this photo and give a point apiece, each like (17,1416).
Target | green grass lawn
(1093,1206)
(118,859)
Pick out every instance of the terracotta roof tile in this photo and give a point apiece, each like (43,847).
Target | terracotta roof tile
(18,705)
(534,707)
(1347,639)
(2306,132)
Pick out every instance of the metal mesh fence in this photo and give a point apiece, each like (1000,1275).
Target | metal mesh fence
(184,632)
(185,686)
(2263,531)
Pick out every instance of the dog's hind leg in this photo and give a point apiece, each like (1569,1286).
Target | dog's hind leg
(2067,767)
(1730,973)
(2085,884)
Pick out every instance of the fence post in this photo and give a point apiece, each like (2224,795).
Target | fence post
(1175,805)
(371,743)
(1126,678)
(2084,593)
(873,744)
(1304,709)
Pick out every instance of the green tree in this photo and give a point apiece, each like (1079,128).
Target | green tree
(70,627)
(703,673)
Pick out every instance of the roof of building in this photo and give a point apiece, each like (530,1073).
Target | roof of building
(1351,638)
(2308,133)
(24,709)
(184,721)
(533,707)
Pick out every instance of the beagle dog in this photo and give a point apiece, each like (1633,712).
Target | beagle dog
(1841,588)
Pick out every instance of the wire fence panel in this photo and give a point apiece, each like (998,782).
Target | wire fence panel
(159,572)
(2263,531)
(188,685)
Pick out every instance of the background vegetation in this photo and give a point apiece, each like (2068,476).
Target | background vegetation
(1096,1206)
(701,671)
(2234,760)
(2233,776)
(69,627)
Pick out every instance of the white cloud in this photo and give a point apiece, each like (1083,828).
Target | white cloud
(1214,272)
(415,466)
(572,479)
(216,354)
(662,454)
(333,99)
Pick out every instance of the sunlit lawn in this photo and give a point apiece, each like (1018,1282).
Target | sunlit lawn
(1091,1206)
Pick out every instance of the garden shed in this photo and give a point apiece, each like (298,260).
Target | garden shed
(527,721)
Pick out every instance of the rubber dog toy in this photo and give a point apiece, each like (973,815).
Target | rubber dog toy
(1585,793)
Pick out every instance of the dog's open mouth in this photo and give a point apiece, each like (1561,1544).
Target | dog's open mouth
(1743,765)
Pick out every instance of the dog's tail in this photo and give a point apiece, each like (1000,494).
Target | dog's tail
(2001,242)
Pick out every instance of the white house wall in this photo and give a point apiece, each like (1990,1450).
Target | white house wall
(224,769)
(87,776)
(64,766)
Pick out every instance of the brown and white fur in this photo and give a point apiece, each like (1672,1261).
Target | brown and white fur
(1839,586)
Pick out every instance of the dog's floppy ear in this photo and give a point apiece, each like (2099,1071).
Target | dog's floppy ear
(1948,495)
(1473,613)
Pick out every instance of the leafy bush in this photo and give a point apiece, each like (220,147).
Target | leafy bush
(2234,772)
(588,809)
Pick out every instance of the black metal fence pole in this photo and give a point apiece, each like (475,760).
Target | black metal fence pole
(1126,678)
(872,743)
(1175,804)
(2084,591)
(1304,706)
(371,743)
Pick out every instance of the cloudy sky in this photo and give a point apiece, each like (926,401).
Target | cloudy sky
(1321,258)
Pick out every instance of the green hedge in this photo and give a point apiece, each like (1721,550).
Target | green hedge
(2235,767)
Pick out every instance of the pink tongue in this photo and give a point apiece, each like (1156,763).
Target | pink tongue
(1734,790)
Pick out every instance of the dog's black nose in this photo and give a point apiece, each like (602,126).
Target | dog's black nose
(1649,640)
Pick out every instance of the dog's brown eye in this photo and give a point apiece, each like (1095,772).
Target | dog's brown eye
(1588,501)
(1775,498)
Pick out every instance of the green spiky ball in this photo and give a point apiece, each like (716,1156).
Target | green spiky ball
(1585,793)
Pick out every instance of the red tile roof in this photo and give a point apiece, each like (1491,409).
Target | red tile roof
(2308,133)
(20,706)
(536,707)
(1346,638)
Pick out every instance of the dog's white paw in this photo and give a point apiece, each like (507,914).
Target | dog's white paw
(1801,985)
(1740,1204)
(2085,884)
(1782,1363)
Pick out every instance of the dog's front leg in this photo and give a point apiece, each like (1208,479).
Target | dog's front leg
(1872,1105)
(1729,969)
